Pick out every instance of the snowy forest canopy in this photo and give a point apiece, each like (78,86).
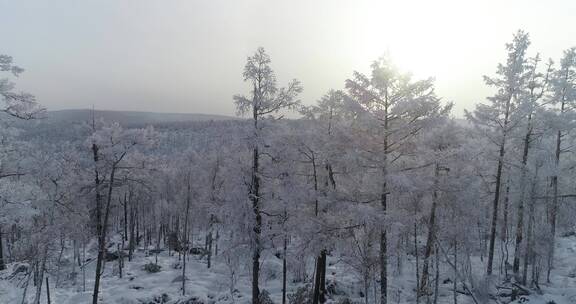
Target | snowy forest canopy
(375,194)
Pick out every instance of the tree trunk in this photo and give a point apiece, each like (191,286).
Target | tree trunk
(99,229)
(504,231)
(209,239)
(437,276)
(47,290)
(454,281)
(501,153)
(520,212)
(158,244)
(554,209)
(320,269)
(316,294)
(125,238)
(255,198)
(120,260)
(383,201)
(131,241)
(84,267)
(216,244)
(323,258)
(138,226)
(257,229)
(417,262)
(383,262)
(185,238)
(102,237)
(495,208)
(25,288)
(284,269)
(2,263)
(529,254)
(431,239)
(40,278)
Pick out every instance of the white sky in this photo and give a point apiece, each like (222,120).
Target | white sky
(187,56)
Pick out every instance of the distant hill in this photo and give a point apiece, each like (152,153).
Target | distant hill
(129,118)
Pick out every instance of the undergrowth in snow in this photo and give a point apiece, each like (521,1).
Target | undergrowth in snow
(210,286)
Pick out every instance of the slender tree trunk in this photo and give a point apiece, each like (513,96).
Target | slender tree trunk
(120,260)
(529,232)
(417,262)
(131,241)
(495,208)
(431,239)
(77,253)
(501,154)
(330,183)
(257,230)
(138,225)
(2,263)
(384,202)
(554,209)
(125,238)
(437,276)
(284,269)
(504,234)
(84,267)
(185,238)
(158,243)
(454,281)
(528,247)
(216,244)
(62,247)
(520,212)
(383,258)
(102,237)
(255,198)
(26,287)
(209,239)
(47,290)
(99,229)
(316,294)
(323,259)
(40,277)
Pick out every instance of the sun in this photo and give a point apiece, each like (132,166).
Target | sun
(423,41)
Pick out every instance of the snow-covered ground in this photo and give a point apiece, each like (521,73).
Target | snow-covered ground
(562,289)
(212,285)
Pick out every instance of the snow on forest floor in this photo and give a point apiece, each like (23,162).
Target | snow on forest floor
(562,289)
(208,286)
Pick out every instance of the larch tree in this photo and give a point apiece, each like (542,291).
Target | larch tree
(396,109)
(265,100)
(498,116)
(563,86)
(530,104)
(322,149)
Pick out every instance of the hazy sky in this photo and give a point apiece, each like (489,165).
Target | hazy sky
(187,56)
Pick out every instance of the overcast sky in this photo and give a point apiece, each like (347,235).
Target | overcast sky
(187,56)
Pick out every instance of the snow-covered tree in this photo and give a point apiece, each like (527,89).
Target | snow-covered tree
(18,104)
(499,117)
(395,109)
(264,99)
(112,148)
(563,86)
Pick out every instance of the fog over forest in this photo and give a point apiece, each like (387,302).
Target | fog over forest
(326,155)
